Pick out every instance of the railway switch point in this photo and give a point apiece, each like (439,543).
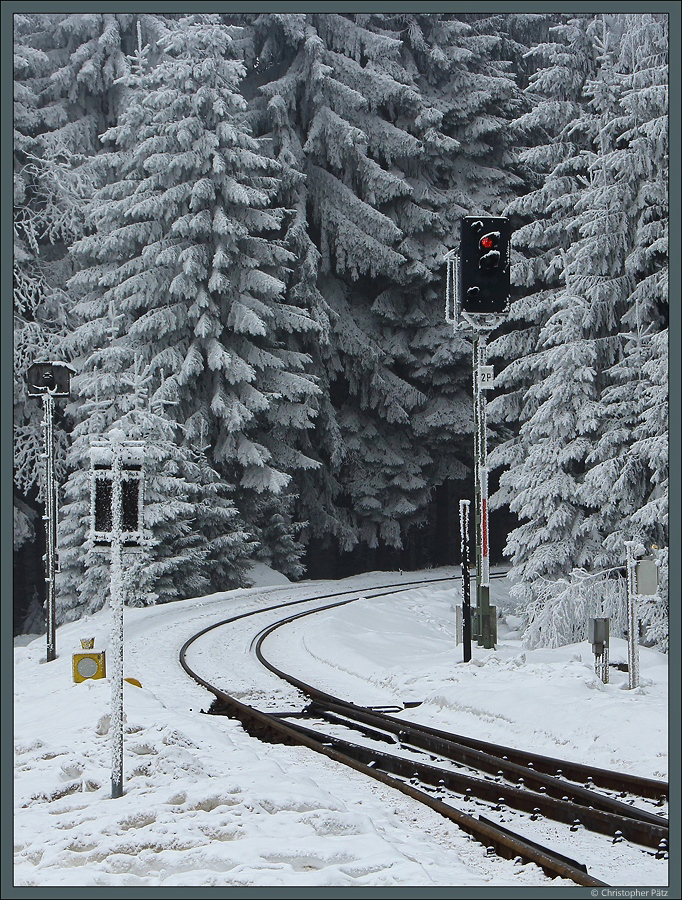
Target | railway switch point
(605,815)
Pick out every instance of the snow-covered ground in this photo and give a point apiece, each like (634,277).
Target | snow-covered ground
(207,805)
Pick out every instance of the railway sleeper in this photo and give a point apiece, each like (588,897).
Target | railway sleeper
(384,736)
(502,841)
(492,763)
(649,788)
(505,845)
(559,856)
(637,831)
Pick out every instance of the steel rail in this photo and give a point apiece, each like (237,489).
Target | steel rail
(504,843)
(649,788)
(358,594)
(500,839)
(514,796)
(532,768)
(492,761)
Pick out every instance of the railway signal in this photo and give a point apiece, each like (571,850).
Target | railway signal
(53,378)
(477,298)
(117,496)
(50,381)
(484,264)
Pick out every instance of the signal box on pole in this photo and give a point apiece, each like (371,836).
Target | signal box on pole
(484,264)
(49,378)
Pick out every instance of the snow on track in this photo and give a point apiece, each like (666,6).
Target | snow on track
(205,804)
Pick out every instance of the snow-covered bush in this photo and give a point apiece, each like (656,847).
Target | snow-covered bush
(558,611)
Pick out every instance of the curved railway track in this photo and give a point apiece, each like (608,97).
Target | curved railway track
(440,769)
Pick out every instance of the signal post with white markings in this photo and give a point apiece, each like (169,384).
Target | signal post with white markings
(477,300)
(50,381)
(117,498)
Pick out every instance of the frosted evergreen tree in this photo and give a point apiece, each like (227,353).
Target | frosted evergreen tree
(549,342)
(65,69)
(461,66)
(368,158)
(629,472)
(340,154)
(277,534)
(53,131)
(181,267)
(629,475)
(175,560)
(577,472)
(554,164)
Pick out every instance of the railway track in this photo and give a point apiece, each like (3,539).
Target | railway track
(476,784)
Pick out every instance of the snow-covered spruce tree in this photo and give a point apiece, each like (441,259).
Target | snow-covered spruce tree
(549,339)
(573,472)
(65,94)
(64,90)
(325,93)
(553,165)
(629,465)
(181,253)
(377,182)
(39,314)
(466,165)
(277,534)
(175,560)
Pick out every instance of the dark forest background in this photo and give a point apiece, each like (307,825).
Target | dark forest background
(234,228)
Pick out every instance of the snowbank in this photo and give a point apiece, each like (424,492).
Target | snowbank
(205,804)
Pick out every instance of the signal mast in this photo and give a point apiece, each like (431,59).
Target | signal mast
(50,381)
(477,301)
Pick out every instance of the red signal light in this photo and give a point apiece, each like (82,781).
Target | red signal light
(484,265)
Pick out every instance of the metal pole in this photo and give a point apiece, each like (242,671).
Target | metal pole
(483,464)
(481,456)
(633,651)
(605,664)
(477,492)
(116,630)
(50,525)
(466,587)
